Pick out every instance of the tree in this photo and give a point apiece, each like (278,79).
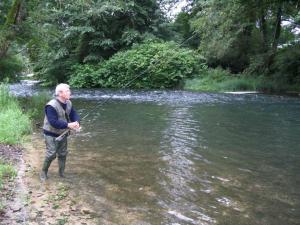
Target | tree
(234,33)
(89,32)
(9,29)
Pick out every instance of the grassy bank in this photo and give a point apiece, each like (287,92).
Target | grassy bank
(219,80)
(14,124)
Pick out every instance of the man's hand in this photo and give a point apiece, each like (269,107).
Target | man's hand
(73,125)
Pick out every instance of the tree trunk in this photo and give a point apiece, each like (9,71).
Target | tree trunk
(277,28)
(277,32)
(263,30)
(13,16)
(8,32)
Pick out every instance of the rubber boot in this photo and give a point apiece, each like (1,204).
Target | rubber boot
(45,168)
(61,166)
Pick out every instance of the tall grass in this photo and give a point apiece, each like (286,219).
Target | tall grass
(216,80)
(14,124)
(219,80)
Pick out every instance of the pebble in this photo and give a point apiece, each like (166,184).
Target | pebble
(85,211)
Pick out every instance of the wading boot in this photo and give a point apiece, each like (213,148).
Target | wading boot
(44,172)
(61,166)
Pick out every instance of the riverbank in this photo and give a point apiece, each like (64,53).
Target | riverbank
(9,157)
(220,81)
(12,210)
(14,126)
(24,199)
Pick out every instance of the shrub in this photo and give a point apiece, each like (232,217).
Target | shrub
(286,66)
(53,72)
(148,65)
(83,75)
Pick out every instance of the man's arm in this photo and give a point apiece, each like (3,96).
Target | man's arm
(53,118)
(74,117)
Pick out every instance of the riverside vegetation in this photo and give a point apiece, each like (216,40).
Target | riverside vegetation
(221,45)
(14,125)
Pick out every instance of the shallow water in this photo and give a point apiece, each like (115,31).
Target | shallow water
(173,157)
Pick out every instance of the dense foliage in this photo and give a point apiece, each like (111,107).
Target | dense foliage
(88,32)
(243,35)
(149,65)
(71,39)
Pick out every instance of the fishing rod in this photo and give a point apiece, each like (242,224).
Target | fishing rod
(60,137)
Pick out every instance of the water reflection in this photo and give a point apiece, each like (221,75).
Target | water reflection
(178,150)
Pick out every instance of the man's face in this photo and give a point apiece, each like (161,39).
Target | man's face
(65,94)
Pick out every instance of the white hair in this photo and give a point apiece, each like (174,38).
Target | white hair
(61,87)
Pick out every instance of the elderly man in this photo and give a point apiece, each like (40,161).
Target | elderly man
(59,116)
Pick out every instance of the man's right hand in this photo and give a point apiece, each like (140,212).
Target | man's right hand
(73,125)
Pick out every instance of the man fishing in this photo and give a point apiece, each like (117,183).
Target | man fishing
(60,116)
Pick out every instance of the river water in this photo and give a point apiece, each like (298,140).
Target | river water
(175,157)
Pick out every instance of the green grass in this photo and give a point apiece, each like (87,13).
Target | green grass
(219,80)
(14,123)
(7,171)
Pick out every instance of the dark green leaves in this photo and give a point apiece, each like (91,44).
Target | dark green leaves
(150,65)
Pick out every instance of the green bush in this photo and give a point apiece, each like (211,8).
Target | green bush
(14,123)
(83,76)
(10,67)
(149,65)
(53,72)
(286,66)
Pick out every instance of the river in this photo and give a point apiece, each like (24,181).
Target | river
(175,157)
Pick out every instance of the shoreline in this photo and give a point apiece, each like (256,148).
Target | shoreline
(13,211)
(30,201)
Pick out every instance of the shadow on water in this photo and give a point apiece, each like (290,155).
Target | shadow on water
(174,157)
